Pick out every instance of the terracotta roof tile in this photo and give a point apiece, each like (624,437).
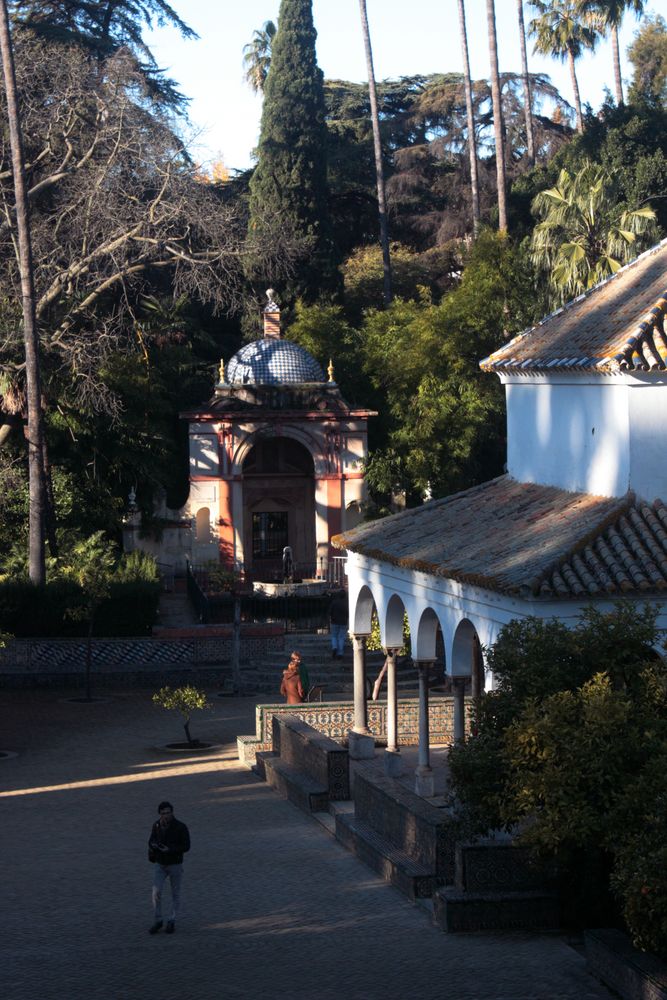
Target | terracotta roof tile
(618,325)
(527,539)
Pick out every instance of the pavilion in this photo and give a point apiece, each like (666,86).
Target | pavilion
(579,519)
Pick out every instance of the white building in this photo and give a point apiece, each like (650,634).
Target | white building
(577,520)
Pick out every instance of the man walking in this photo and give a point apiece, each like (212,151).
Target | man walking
(168,842)
(338,625)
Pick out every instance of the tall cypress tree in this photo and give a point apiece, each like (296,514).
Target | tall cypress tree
(288,190)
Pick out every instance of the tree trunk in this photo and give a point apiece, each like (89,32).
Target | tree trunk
(617,64)
(497,115)
(379,170)
(472,142)
(89,654)
(527,96)
(575,90)
(35,429)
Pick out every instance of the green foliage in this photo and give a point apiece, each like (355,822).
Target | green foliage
(566,748)
(288,189)
(91,565)
(257,56)
(62,607)
(186,700)
(374,641)
(648,55)
(639,877)
(104,28)
(447,424)
(585,233)
(363,275)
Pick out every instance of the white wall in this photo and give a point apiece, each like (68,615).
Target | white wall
(571,432)
(647,404)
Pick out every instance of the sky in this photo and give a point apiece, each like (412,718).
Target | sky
(408,38)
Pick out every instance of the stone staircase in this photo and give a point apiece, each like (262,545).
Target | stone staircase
(263,675)
(176,611)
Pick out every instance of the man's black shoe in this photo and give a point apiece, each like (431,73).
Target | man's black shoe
(156,927)
(170,928)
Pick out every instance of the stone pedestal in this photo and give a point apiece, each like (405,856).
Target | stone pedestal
(393,764)
(424,783)
(361,746)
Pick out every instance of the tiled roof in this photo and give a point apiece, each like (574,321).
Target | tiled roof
(617,326)
(527,539)
(273,362)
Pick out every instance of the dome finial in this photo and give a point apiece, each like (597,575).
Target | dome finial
(221,371)
(271,305)
(330,370)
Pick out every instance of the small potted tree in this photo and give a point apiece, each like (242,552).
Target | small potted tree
(186,700)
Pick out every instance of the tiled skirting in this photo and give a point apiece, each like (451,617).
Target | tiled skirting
(32,662)
(336,718)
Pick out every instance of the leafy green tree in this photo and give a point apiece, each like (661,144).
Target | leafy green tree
(575,717)
(585,233)
(648,55)
(103,28)
(288,189)
(561,31)
(186,700)
(257,56)
(91,565)
(446,427)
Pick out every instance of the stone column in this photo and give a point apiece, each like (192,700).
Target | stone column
(424,781)
(392,755)
(361,744)
(459,685)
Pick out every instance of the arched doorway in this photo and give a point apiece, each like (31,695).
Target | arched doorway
(278,508)
(467,671)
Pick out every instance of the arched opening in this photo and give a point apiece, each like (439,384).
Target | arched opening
(393,627)
(279,508)
(362,617)
(467,658)
(429,645)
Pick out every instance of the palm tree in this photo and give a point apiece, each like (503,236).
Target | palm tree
(498,124)
(472,142)
(527,97)
(257,56)
(610,14)
(37,486)
(563,32)
(379,170)
(585,234)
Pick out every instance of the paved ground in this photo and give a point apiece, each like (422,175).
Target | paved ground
(273,906)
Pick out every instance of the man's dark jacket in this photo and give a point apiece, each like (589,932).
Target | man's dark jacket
(174,837)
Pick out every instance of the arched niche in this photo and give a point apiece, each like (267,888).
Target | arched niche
(203,525)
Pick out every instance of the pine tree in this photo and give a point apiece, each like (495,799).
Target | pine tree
(288,190)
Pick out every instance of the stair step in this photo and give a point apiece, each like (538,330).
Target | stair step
(296,786)
(480,911)
(395,866)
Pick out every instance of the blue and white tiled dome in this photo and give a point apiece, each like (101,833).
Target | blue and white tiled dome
(273,362)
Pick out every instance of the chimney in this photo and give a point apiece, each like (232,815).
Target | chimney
(271,317)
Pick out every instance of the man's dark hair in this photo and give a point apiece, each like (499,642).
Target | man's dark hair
(165,805)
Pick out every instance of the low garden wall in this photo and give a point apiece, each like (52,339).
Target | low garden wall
(336,718)
(174,656)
